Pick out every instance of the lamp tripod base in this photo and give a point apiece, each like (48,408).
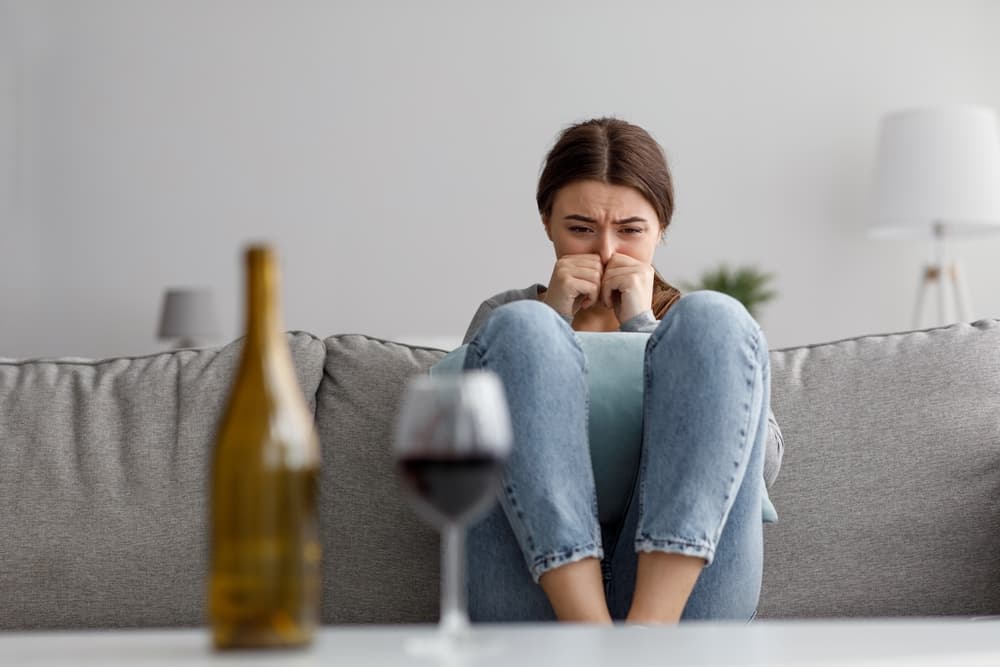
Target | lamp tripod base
(947,278)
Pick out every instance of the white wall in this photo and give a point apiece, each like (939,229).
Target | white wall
(19,279)
(390,149)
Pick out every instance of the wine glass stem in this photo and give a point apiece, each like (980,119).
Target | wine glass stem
(454,618)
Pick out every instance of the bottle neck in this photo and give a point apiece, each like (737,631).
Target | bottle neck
(263,316)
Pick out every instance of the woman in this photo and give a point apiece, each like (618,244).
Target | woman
(690,544)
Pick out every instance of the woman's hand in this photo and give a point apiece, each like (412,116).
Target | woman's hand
(575,283)
(627,286)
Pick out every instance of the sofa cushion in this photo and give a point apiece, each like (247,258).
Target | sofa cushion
(890,486)
(103,484)
(380,561)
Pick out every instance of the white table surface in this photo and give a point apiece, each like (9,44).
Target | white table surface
(914,643)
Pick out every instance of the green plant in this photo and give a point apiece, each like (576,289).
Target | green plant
(746,284)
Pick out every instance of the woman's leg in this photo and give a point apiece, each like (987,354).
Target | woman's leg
(545,528)
(500,587)
(698,493)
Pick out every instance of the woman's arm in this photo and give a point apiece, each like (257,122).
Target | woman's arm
(494,302)
(479,319)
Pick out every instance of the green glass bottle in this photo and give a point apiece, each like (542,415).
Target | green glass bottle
(264,582)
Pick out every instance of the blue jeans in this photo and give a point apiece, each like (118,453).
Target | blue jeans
(698,488)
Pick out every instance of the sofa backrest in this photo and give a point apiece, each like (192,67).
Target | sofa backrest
(380,561)
(889,494)
(103,484)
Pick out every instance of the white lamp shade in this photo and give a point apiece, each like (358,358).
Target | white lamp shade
(188,313)
(937,166)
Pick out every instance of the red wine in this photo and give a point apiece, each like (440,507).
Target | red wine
(455,489)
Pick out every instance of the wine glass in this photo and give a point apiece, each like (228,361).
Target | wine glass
(452,440)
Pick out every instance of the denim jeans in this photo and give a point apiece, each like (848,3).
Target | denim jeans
(698,488)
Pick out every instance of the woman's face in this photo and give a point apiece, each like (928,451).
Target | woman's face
(591,217)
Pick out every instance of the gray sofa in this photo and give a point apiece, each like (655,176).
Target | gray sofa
(889,495)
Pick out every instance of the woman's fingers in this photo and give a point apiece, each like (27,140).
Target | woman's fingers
(621,279)
(575,283)
(587,292)
(587,273)
(627,286)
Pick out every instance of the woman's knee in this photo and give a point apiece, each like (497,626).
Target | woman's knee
(708,319)
(526,321)
(530,334)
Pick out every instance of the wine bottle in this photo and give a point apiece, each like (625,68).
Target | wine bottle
(264,584)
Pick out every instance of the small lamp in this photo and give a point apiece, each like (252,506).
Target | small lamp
(938,177)
(188,315)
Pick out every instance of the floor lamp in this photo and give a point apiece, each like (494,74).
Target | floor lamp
(938,176)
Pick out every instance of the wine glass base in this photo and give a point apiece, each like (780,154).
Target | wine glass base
(453,646)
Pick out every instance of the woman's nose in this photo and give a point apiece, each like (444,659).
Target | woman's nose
(606,248)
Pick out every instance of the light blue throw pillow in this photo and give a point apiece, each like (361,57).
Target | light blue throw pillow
(615,379)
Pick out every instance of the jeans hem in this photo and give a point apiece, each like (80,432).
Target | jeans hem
(673,546)
(555,559)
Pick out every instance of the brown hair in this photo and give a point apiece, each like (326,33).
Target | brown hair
(616,152)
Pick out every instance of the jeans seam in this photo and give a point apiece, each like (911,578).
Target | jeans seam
(585,366)
(521,525)
(643,454)
(733,486)
(594,510)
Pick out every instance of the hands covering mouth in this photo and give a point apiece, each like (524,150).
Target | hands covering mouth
(578,282)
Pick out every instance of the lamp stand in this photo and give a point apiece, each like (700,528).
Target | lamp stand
(947,274)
